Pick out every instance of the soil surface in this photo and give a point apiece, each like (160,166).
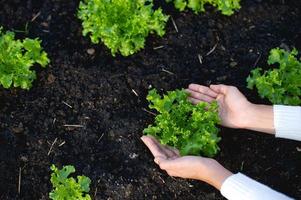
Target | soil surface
(84,85)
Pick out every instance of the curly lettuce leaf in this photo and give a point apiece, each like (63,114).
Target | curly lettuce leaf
(281,85)
(191,129)
(227,7)
(122,25)
(65,187)
(17,58)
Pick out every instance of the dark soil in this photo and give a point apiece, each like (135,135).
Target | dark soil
(99,89)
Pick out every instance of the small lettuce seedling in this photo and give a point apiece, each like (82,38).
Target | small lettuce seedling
(122,25)
(190,128)
(65,187)
(227,7)
(17,58)
(281,85)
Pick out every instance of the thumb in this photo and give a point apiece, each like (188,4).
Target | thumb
(219,88)
(159,159)
(164,163)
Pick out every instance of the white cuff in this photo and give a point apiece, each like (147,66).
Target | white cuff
(241,187)
(287,122)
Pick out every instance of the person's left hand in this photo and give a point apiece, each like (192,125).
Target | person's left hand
(192,167)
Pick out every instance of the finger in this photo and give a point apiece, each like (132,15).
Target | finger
(201,96)
(152,138)
(167,150)
(171,173)
(169,164)
(202,89)
(175,151)
(153,146)
(220,88)
(220,98)
(193,100)
(158,159)
(164,163)
(170,154)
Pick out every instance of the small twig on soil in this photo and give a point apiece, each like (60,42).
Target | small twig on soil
(257,60)
(161,179)
(51,146)
(212,50)
(117,76)
(200,58)
(242,165)
(95,193)
(174,24)
(135,92)
(67,104)
(54,120)
(159,47)
(149,112)
(36,16)
(174,178)
(169,72)
(24,166)
(74,125)
(19,182)
(217,38)
(62,144)
(100,137)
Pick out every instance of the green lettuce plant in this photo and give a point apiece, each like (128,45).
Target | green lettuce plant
(17,59)
(122,25)
(227,7)
(190,128)
(282,84)
(68,188)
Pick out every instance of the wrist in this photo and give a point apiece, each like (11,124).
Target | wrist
(216,174)
(259,118)
(250,113)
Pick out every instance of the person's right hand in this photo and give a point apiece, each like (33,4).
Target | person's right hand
(233,105)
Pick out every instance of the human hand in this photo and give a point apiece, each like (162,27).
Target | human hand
(192,167)
(234,108)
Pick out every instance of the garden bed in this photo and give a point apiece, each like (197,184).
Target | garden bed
(104,97)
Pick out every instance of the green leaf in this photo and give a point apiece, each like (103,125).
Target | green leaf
(150,130)
(180,4)
(122,25)
(281,85)
(227,7)
(191,129)
(275,56)
(6,80)
(84,183)
(16,59)
(65,187)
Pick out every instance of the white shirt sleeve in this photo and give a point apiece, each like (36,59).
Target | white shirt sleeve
(241,187)
(287,122)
